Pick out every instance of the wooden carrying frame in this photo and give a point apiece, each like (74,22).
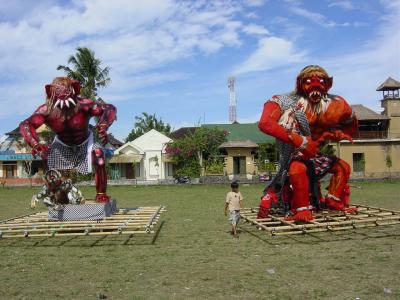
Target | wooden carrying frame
(126,221)
(326,220)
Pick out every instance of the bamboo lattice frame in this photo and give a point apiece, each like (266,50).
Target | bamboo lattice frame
(326,220)
(131,221)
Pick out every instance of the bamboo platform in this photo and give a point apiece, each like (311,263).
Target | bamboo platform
(127,221)
(326,220)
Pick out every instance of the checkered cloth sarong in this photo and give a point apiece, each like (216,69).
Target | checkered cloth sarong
(79,157)
(323,163)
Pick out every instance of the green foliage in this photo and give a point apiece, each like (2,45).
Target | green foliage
(216,167)
(388,161)
(327,149)
(145,123)
(196,150)
(267,156)
(189,167)
(83,177)
(87,70)
(48,136)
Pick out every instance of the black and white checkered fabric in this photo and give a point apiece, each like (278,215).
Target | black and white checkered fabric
(322,164)
(71,212)
(286,151)
(64,157)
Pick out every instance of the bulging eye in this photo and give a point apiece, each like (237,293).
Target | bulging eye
(308,81)
(321,80)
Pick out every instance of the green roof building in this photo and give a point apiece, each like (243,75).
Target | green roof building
(243,132)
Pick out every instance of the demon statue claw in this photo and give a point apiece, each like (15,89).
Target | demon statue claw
(68,114)
(300,121)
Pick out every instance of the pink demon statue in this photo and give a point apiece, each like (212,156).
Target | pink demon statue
(300,121)
(68,115)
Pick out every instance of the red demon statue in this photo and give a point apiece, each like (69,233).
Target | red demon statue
(300,121)
(68,115)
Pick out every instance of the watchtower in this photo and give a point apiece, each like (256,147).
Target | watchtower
(391,105)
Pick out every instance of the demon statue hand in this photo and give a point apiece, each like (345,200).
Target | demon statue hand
(68,114)
(300,121)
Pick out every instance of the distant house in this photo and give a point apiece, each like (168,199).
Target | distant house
(240,150)
(143,158)
(376,148)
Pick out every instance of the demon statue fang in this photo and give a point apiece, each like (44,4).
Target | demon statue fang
(300,121)
(68,114)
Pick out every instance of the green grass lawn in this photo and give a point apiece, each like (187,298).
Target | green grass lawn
(193,256)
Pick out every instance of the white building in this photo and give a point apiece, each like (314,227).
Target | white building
(143,158)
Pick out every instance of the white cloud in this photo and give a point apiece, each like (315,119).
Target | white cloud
(254,29)
(358,73)
(344,4)
(255,3)
(272,52)
(133,38)
(312,16)
(251,15)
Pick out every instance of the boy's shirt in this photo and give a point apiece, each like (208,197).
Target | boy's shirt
(233,199)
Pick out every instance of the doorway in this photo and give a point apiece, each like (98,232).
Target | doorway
(358,163)
(239,165)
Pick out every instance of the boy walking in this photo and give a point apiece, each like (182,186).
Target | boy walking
(234,203)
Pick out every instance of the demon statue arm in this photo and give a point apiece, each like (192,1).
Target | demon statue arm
(107,114)
(28,131)
(269,124)
(345,120)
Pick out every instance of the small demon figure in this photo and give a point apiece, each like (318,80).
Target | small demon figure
(68,115)
(58,191)
(300,121)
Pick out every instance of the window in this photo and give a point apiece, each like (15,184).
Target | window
(137,170)
(358,162)
(10,170)
(169,169)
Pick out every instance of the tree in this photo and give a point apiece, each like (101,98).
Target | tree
(267,156)
(197,150)
(389,164)
(87,70)
(145,123)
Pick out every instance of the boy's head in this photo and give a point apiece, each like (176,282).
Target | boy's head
(234,186)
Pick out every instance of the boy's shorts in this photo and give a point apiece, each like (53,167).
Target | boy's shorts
(234,217)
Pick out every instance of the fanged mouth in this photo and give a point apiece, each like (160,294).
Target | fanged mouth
(61,102)
(315,95)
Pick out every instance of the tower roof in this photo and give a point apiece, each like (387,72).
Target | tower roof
(364,113)
(389,84)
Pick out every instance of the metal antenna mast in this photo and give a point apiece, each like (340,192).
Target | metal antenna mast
(232,99)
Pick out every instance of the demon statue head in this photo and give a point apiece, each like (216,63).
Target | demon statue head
(62,94)
(313,83)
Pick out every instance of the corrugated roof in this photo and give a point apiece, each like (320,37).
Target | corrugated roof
(389,84)
(243,132)
(239,144)
(364,113)
(181,132)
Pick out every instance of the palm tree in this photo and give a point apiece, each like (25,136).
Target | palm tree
(87,70)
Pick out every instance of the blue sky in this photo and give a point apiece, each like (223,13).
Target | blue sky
(173,58)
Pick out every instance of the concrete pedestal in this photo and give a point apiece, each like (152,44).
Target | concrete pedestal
(87,211)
